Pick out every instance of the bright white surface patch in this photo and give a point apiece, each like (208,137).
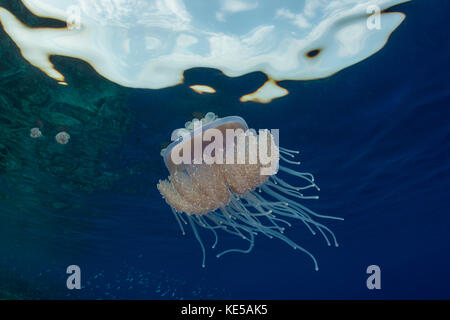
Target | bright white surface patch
(203,89)
(269,91)
(150,43)
(238,5)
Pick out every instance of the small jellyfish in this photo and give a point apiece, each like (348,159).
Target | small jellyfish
(233,187)
(62,137)
(35,133)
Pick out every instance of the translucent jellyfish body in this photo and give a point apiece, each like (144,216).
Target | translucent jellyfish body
(35,133)
(228,182)
(62,137)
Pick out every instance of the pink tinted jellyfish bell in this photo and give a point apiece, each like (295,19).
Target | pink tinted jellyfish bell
(223,177)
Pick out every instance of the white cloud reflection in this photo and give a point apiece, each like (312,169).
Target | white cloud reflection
(238,5)
(150,43)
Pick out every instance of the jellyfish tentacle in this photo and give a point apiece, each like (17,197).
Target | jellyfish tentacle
(213,231)
(252,243)
(289,161)
(179,221)
(194,228)
(288,151)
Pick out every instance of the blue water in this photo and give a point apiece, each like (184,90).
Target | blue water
(376,137)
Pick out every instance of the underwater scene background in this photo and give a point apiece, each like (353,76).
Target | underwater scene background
(375,136)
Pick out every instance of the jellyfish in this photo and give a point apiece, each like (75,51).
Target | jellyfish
(225,177)
(35,133)
(62,137)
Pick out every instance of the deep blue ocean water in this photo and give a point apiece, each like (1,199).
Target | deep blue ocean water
(375,135)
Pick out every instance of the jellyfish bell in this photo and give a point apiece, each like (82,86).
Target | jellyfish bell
(35,133)
(221,182)
(204,141)
(62,137)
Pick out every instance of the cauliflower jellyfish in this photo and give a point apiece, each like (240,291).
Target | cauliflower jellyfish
(224,178)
